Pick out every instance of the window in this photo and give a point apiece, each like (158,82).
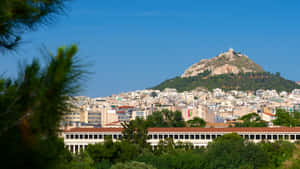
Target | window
(150,136)
(86,136)
(286,137)
(160,136)
(95,136)
(202,137)
(67,136)
(263,137)
(176,136)
(192,137)
(257,137)
(81,136)
(165,136)
(213,136)
(90,136)
(297,137)
(246,136)
(181,136)
(186,137)
(207,137)
(115,136)
(197,137)
(155,136)
(269,137)
(274,137)
(292,137)
(251,137)
(100,136)
(171,136)
(76,136)
(72,136)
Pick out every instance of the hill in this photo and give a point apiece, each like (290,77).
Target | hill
(227,62)
(250,81)
(230,70)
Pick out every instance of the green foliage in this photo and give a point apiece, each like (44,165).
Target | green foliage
(165,118)
(231,151)
(227,151)
(83,160)
(294,161)
(20,16)
(136,132)
(196,122)
(31,108)
(251,120)
(277,152)
(132,165)
(285,118)
(180,160)
(113,152)
(242,81)
(169,146)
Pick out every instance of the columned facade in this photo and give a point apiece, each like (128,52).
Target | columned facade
(77,139)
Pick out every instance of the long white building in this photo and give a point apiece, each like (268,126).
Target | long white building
(78,138)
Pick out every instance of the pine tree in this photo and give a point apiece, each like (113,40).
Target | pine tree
(31,108)
(20,16)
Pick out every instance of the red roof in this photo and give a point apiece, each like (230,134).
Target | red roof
(120,111)
(269,114)
(125,107)
(94,130)
(113,123)
(194,129)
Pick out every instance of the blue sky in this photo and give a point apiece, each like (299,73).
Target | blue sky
(137,44)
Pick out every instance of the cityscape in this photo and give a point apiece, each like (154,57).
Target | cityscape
(149,84)
(217,108)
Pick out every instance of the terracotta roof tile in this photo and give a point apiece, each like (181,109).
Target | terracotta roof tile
(269,114)
(186,129)
(125,107)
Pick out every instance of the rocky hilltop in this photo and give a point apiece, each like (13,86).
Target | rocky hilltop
(228,71)
(227,62)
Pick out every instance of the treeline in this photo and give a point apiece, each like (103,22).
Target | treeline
(251,120)
(243,81)
(167,118)
(282,118)
(229,151)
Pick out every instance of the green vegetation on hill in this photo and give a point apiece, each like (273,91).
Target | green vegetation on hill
(285,118)
(243,81)
(251,120)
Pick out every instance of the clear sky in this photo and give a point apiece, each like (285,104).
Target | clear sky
(138,44)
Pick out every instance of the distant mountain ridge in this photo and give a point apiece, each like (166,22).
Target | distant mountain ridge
(227,62)
(228,71)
